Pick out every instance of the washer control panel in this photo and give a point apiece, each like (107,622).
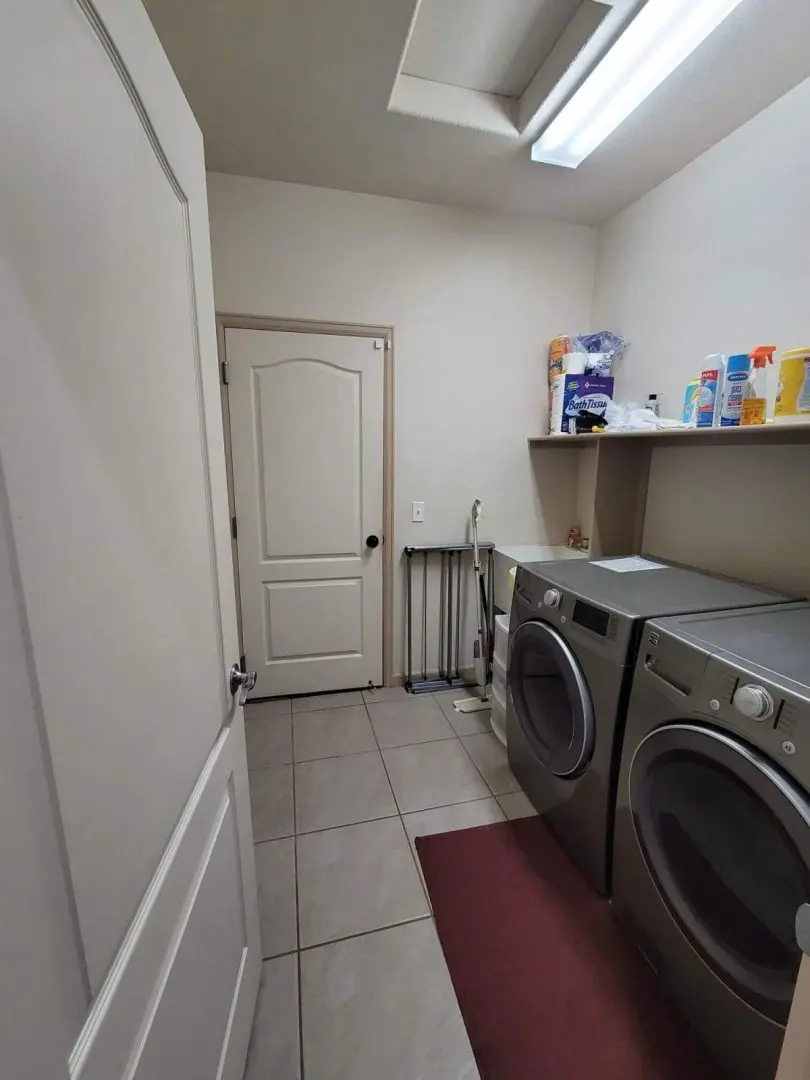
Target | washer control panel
(552,598)
(753,701)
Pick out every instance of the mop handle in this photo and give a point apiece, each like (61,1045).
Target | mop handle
(476,514)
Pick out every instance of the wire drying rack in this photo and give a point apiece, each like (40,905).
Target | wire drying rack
(455,572)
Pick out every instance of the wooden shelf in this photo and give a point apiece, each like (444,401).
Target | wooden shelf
(603,486)
(762,435)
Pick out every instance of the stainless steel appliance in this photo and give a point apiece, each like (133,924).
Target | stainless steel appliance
(712,840)
(573,635)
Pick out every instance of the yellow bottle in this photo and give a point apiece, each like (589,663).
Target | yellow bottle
(755,404)
(793,399)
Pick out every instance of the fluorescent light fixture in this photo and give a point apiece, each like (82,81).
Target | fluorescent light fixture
(660,38)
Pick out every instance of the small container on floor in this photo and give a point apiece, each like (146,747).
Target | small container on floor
(497,716)
(501,639)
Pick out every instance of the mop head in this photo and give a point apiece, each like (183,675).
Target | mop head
(472,704)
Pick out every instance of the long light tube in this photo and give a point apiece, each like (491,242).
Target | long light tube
(660,38)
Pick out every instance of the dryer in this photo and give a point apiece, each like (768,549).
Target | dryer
(573,635)
(712,839)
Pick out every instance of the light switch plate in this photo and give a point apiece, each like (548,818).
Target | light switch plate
(417,511)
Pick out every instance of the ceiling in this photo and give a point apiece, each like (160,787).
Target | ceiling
(502,46)
(298,90)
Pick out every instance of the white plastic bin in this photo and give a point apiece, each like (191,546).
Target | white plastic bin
(497,716)
(501,640)
(499,677)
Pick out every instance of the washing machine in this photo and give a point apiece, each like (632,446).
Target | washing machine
(712,838)
(574,631)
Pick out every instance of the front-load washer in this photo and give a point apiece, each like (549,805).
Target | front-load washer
(712,838)
(573,634)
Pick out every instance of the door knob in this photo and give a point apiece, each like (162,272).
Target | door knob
(245,679)
(372,541)
(803,928)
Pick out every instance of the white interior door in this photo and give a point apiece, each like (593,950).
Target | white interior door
(112,453)
(306,414)
(794,1061)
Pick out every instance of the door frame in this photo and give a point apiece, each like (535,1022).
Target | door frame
(232,321)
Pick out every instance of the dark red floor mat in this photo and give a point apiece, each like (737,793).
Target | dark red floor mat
(549,987)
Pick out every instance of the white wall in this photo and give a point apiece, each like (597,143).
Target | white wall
(717,259)
(474,299)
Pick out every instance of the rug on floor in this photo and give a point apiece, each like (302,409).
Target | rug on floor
(549,986)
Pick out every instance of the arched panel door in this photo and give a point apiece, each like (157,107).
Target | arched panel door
(306,423)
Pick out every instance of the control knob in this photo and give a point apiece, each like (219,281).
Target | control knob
(753,701)
(552,598)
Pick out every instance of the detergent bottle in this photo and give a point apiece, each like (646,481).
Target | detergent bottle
(755,403)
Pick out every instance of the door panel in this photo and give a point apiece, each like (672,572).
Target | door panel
(43,988)
(314,618)
(308,414)
(188,957)
(115,476)
(306,418)
(108,488)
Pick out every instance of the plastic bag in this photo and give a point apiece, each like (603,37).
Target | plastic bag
(632,417)
(603,350)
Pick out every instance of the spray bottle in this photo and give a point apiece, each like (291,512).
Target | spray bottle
(755,404)
(735,387)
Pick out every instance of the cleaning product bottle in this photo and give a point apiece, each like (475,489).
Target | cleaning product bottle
(690,402)
(710,394)
(738,370)
(755,402)
(793,398)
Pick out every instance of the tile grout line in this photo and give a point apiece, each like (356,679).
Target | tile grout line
(477,769)
(365,933)
(351,753)
(388,817)
(399,815)
(297,907)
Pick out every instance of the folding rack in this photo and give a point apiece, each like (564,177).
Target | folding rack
(451,577)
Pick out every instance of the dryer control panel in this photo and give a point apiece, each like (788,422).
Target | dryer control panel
(592,625)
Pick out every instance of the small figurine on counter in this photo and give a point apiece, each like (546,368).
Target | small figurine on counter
(576,540)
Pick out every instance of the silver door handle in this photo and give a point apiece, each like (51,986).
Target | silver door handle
(245,679)
(803,928)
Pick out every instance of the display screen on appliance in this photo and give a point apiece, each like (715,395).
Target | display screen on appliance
(592,618)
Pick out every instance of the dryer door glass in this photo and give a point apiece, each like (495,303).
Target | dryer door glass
(551,699)
(726,837)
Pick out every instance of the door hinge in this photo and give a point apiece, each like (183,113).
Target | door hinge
(225,368)
(233,528)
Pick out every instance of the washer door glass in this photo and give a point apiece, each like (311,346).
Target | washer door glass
(726,837)
(551,699)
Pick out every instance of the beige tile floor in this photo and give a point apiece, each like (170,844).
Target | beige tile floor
(354,984)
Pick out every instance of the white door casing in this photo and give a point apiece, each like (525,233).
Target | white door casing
(111,445)
(306,422)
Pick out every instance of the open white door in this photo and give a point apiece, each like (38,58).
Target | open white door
(794,1061)
(306,418)
(115,506)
